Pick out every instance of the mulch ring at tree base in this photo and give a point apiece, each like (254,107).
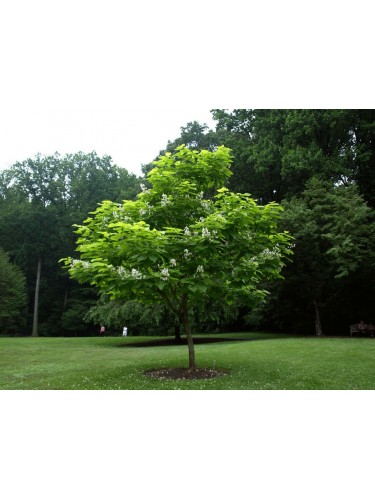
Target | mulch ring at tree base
(185,373)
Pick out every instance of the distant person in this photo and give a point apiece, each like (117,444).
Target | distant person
(125,331)
(102,330)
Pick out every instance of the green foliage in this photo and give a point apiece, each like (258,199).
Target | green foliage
(195,136)
(40,200)
(362,122)
(226,246)
(281,154)
(277,151)
(332,226)
(333,229)
(78,303)
(12,295)
(255,137)
(156,319)
(141,319)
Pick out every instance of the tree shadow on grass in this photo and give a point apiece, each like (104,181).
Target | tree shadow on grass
(171,341)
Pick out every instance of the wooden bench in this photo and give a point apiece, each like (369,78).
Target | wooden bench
(362,329)
(353,329)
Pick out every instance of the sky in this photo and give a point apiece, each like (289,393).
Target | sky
(130,137)
(122,79)
(91,75)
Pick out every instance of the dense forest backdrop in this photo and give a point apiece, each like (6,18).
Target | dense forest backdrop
(318,164)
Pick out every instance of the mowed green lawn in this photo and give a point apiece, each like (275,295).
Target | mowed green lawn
(254,361)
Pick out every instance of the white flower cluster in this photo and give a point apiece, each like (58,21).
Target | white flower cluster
(187,231)
(124,273)
(147,210)
(116,214)
(200,269)
(208,234)
(164,274)
(136,274)
(173,262)
(268,254)
(77,262)
(164,200)
(187,254)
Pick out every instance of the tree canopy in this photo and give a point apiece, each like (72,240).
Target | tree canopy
(185,238)
(40,199)
(331,225)
(277,155)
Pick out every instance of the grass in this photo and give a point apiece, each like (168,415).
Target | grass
(254,360)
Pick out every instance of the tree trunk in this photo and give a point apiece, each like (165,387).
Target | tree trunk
(36,299)
(187,330)
(318,324)
(65,299)
(177,333)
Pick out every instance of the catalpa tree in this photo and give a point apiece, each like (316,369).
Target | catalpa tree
(184,239)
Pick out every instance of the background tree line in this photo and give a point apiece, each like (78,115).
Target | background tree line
(40,200)
(319,164)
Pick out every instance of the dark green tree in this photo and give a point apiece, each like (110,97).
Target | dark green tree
(41,198)
(13,296)
(194,135)
(141,319)
(362,131)
(255,138)
(334,239)
(277,151)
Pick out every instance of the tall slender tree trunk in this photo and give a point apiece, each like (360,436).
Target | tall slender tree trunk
(187,330)
(36,299)
(65,299)
(318,324)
